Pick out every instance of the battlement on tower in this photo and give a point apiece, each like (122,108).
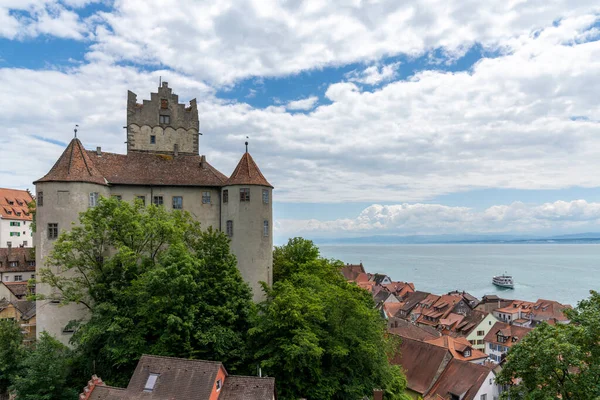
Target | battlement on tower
(162,124)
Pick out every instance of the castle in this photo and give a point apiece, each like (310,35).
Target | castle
(162,166)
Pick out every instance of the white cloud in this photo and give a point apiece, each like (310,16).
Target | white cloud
(440,219)
(30,18)
(225,41)
(303,104)
(374,74)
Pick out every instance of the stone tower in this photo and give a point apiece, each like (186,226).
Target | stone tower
(161,124)
(62,194)
(247,218)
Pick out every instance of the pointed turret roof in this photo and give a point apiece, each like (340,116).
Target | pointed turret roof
(247,173)
(74,165)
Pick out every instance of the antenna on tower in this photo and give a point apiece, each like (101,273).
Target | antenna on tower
(75,130)
(159,80)
(246,144)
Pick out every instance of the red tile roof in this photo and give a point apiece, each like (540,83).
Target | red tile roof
(404,328)
(74,165)
(18,210)
(460,378)
(513,334)
(247,173)
(422,363)
(457,346)
(352,271)
(19,289)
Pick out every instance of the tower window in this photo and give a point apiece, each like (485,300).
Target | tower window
(266,228)
(164,119)
(40,199)
(245,194)
(142,199)
(177,203)
(230,228)
(265,194)
(158,200)
(205,197)
(225,196)
(152,139)
(93,199)
(52,231)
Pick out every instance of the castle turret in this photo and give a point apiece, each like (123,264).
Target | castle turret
(162,124)
(247,218)
(72,185)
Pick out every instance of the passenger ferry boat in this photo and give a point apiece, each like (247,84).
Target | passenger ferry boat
(505,281)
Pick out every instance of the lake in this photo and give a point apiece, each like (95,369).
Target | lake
(561,272)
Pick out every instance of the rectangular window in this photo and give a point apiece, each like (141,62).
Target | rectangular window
(479,341)
(93,199)
(245,194)
(205,197)
(177,203)
(24,243)
(9,244)
(164,119)
(265,196)
(265,228)
(40,199)
(15,224)
(18,278)
(117,196)
(142,199)
(480,333)
(225,196)
(52,231)
(230,228)
(158,200)
(483,397)
(31,263)
(152,139)
(32,276)
(13,264)
(15,234)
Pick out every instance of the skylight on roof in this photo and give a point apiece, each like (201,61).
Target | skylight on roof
(151,382)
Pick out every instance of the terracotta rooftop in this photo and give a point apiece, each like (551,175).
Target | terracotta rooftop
(422,363)
(460,378)
(22,256)
(247,173)
(13,204)
(457,347)
(74,165)
(513,334)
(141,168)
(19,289)
(402,327)
(351,271)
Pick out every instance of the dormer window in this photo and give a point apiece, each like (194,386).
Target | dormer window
(219,385)
(164,119)
(467,353)
(151,382)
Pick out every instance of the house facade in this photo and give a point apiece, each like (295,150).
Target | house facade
(478,334)
(501,338)
(163,167)
(15,218)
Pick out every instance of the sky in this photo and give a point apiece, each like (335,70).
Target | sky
(370,117)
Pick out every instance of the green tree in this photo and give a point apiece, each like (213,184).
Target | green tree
(558,361)
(45,372)
(11,353)
(155,283)
(320,337)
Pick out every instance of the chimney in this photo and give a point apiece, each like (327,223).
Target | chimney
(99,151)
(202,161)
(175,150)
(377,394)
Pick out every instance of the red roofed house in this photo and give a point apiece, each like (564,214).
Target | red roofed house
(501,338)
(463,380)
(351,271)
(460,348)
(167,378)
(15,218)
(163,167)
